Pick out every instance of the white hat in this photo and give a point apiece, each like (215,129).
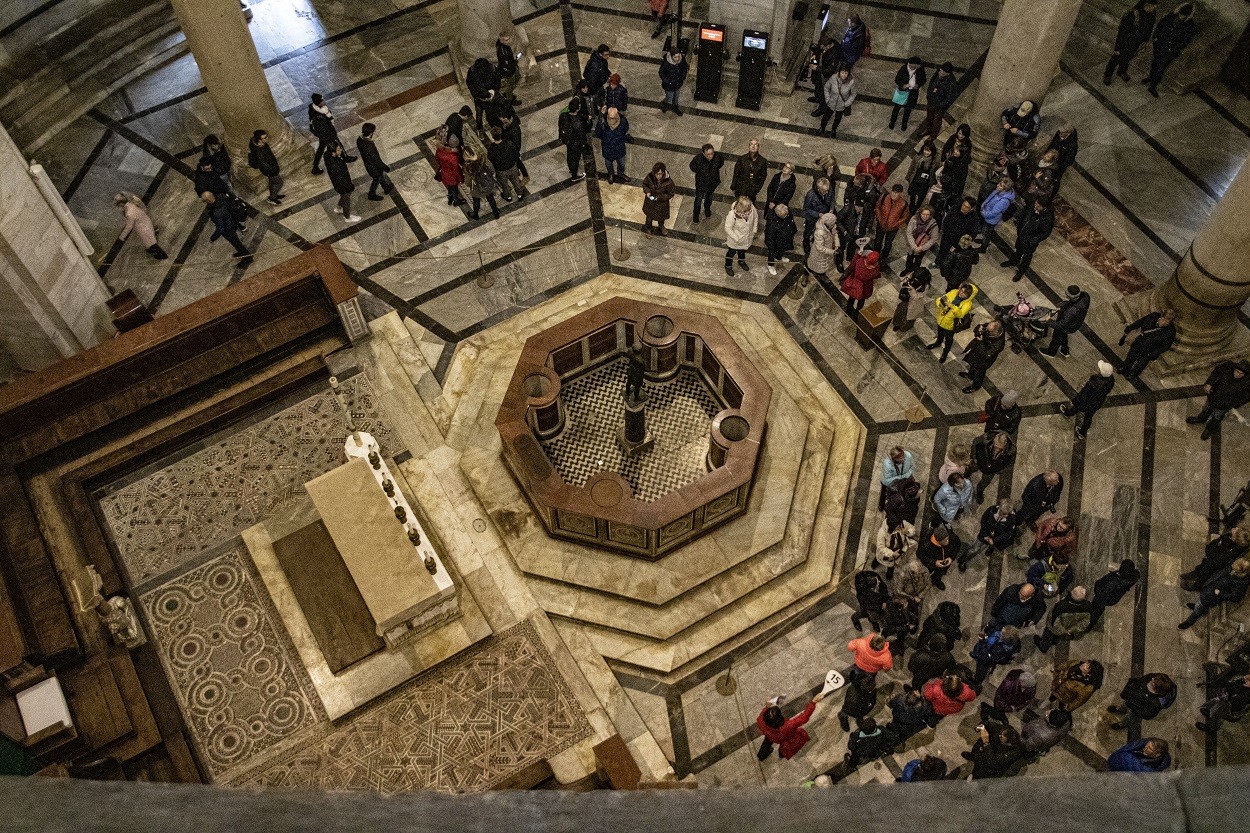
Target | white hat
(1105,368)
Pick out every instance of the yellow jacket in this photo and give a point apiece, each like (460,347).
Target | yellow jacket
(949,310)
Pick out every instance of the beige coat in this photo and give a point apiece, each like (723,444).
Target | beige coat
(739,231)
(138,221)
(825,245)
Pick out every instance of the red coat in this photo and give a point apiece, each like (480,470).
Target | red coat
(875,168)
(449,166)
(791,736)
(858,281)
(944,706)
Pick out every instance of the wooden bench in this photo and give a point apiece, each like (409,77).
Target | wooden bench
(616,765)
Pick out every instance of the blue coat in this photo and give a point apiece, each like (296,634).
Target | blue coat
(995,205)
(673,76)
(888,471)
(613,139)
(1129,758)
(814,205)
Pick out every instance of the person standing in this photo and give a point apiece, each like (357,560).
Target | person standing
(1090,398)
(483,83)
(870,653)
(987,343)
(932,660)
(750,172)
(1227,700)
(939,96)
(507,68)
(938,551)
(1066,320)
(874,167)
(910,714)
(613,133)
(1045,731)
(741,224)
(341,179)
(912,299)
(781,187)
(861,699)
(706,166)
(839,96)
(1075,682)
(321,123)
(945,622)
(957,224)
(1111,587)
(896,540)
(825,63)
(922,236)
(596,72)
(818,202)
(947,696)
(1040,495)
(658,191)
(574,133)
(1017,605)
(892,214)
(779,231)
(991,454)
(857,283)
(996,754)
(374,166)
(908,82)
(788,736)
(1228,586)
(951,308)
(221,213)
(215,153)
(1133,33)
(659,13)
(994,209)
(826,245)
(855,41)
(1143,698)
(1158,334)
(260,157)
(1070,618)
(871,596)
(135,213)
(1141,755)
(1020,124)
(613,95)
(994,648)
(673,71)
(1065,143)
(506,157)
(1227,388)
(854,223)
(921,175)
(479,177)
(450,171)
(898,467)
(997,533)
(1002,413)
(1034,226)
(1175,32)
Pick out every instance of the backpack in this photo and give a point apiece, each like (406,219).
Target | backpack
(1011,209)
(238,209)
(563,126)
(1071,624)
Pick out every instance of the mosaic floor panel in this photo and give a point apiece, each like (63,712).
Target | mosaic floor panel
(238,679)
(464,726)
(164,517)
(679,414)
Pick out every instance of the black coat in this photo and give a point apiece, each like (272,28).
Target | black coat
(942,91)
(956,224)
(482,80)
(900,82)
(995,760)
(673,76)
(925,665)
(779,232)
(1038,493)
(984,349)
(208,181)
(1067,148)
(1141,701)
(1001,420)
(262,159)
(1227,391)
(1173,34)
(780,191)
(706,171)
(503,155)
(1135,29)
(859,702)
(1093,393)
(929,553)
(1154,340)
(1224,588)
(868,747)
(505,59)
(368,150)
(220,159)
(1027,125)
(1109,589)
(983,454)
(1071,313)
(321,125)
(573,131)
(871,592)
(1033,227)
(340,175)
(944,620)
(1009,610)
(749,173)
(596,72)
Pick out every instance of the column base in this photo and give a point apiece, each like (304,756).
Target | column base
(289,145)
(1183,358)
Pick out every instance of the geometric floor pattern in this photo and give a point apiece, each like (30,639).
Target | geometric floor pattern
(679,415)
(163,517)
(232,667)
(464,726)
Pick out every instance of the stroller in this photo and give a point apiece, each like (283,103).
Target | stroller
(1022,322)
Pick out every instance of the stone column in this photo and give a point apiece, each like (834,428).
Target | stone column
(1022,62)
(1209,286)
(481,23)
(230,67)
(52,298)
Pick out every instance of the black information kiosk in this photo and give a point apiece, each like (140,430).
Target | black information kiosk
(751,64)
(711,57)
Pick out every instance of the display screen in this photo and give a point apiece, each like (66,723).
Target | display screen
(749,42)
(712,35)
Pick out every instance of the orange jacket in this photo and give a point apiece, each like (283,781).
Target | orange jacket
(892,213)
(866,659)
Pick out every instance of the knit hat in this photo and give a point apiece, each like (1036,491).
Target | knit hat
(1028,679)
(872,258)
(1073,290)
(1105,368)
(1009,398)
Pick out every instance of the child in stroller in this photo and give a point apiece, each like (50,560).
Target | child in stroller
(1023,322)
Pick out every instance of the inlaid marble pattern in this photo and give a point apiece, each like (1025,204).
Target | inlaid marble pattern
(172,513)
(236,676)
(679,416)
(465,726)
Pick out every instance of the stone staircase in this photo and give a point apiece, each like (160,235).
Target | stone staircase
(56,71)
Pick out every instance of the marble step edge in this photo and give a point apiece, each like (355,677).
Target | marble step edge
(129,34)
(540,575)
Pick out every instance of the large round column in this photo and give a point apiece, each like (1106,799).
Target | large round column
(1021,64)
(481,23)
(1212,282)
(230,68)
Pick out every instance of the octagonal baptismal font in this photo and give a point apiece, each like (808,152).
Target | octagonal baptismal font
(634,426)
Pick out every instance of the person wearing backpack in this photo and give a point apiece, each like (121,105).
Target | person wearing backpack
(574,135)
(1070,618)
(995,208)
(994,649)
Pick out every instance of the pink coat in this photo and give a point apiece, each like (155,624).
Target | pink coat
(138,221)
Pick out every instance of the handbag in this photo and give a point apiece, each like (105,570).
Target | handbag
(963,323)
(901,96)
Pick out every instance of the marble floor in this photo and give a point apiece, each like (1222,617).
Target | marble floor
(1142,484)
